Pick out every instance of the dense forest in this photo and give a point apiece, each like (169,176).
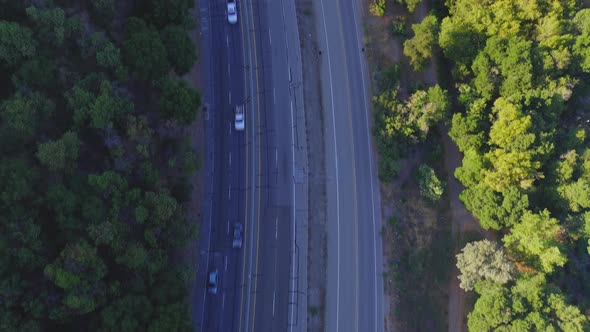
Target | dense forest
(95,159)
(518,101)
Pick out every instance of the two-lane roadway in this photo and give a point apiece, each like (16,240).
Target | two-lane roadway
(355,254)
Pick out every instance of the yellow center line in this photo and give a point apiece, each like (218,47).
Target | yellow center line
(247,161)
(354,182)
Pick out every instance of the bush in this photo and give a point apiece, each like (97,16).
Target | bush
(388,77)
(398,27)
(431,187)
(377,8)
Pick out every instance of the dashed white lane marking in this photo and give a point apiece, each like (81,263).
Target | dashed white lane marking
(227,40)
(276,158)
(225,258)
(230,96)
(274,294)
(228,226)
(229,192)
(269,37)
(276,227)
(274,96)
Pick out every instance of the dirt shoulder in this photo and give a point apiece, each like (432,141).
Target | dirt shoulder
(196,133)
(317,255)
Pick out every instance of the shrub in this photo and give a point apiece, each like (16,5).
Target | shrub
(431,187)
(398,27)
(377,8)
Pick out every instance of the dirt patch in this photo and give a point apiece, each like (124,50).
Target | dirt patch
(317,203)
(418,248)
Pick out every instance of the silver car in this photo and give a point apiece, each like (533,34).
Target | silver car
(239,118)
(232,12)
(237,242)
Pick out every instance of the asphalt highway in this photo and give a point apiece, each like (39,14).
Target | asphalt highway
(251,174)
(355,262)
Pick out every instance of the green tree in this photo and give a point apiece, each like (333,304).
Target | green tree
(421,47)
(18,181)
(79,273)
(179,101)
(430,186)
(467,132)
(581,51)
(144,51)
(537,240)
(173,317)
(38,73)
(512,161)
(526,306)
(126,314)
(576,194)
(483,260)
(180,48)
(163,12)
(19,114)
(61,154)
(460,42)
(105,8)
(108,107)
(108,56)
(50,23)
(16,42)
(410,4)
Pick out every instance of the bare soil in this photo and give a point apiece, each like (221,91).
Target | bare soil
(317,236)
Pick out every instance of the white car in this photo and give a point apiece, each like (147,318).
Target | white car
(239,120)
(232,12)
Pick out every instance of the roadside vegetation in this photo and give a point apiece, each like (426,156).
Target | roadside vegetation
(94,165)
(517,105)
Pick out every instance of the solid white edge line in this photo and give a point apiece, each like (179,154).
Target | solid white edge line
(253,185)
(207,264)
(336,167)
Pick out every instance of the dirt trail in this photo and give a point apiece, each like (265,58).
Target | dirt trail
(462,223)
(462,220)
